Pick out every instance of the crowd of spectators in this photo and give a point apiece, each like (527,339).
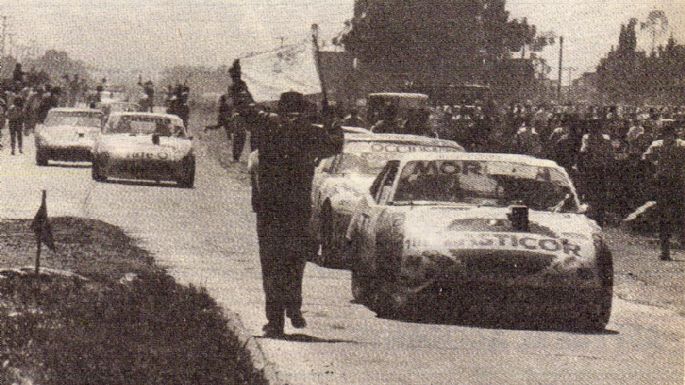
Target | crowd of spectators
(600,146)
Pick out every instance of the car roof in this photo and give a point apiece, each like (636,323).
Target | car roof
(478,156)
(148,114)
(74,109)
(371,137)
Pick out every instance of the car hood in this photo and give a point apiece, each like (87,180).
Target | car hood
(446,228)
(141,146)
(67,132)
(479,244)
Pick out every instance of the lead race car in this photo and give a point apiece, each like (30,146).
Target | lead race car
(340,180)
(459,225)
(67,134)
(141,145)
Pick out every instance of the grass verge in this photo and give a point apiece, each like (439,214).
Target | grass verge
(125,322)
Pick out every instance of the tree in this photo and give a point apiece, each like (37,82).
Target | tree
(437,37)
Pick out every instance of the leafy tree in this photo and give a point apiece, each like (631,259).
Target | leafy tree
(429,36)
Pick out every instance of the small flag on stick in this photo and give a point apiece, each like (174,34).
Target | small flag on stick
(41,227)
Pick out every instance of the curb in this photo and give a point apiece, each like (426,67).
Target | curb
(261,366)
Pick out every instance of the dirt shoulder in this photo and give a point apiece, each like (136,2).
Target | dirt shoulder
(639,274)
(119,320)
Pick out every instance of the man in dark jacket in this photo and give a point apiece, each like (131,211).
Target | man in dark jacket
(668,156)
(240,99)
(289,147)
(15,120)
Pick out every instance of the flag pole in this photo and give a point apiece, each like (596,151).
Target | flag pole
(39,240)
(38,256)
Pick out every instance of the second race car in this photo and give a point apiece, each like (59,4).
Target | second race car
(340,180)
(468,226)
(141,145)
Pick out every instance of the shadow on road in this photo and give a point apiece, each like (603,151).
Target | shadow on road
(308,339)
(142,183)
(481,317)
(68,165)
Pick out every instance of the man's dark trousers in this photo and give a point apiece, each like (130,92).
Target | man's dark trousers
(283,258)
(16,135)
(239,136)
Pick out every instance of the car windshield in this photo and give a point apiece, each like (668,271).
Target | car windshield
(485,183)
(73,118)
(369,158)
(143,125)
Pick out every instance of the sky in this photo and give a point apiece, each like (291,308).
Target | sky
(154,34)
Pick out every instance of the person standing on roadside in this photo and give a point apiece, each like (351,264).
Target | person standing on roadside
(240,99)
(289,146)
(668,157)
(594,164)
(15,119)
(3,117)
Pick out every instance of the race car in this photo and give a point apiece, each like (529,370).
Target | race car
(67,134)
(460,227)
(340,180)
(141,145)
(109,106)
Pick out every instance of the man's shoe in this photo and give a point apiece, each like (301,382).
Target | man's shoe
(665,257)
(273,331)
(297,320)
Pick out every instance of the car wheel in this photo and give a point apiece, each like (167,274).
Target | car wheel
(388,301)
(41,157)
(328,250)
(188,178)
(96,172)
(595,310)
(362,287)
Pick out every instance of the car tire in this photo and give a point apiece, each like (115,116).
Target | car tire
(96,172)
(326,234)
(362,287)
(41,157)
(595,310)
(188,172)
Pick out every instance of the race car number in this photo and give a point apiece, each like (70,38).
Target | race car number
(148,155)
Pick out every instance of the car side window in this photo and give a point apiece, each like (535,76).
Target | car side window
(333,164)
(376,186)
(388,181)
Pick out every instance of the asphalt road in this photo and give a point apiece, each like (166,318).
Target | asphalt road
(205,236)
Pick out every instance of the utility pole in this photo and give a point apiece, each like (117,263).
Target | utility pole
(561,63)
(570,72)
(4,34)
(10,47)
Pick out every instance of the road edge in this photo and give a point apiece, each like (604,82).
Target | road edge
(252,348)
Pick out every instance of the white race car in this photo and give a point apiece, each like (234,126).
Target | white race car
(340,180)
(141,145)
(67,134)
(463,227)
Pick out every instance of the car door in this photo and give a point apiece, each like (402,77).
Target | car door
(321,174)
(369,215)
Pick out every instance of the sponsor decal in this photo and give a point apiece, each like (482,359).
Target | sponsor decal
(408,148)
(503,241)
(148,156)
(402,148)
(452,167)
